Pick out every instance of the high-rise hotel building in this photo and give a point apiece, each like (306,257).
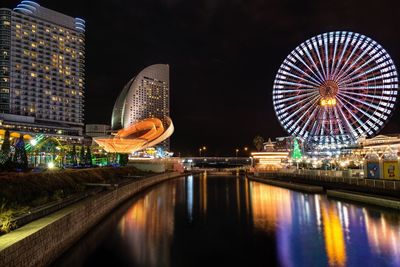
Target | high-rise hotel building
(145,96)
(42,75)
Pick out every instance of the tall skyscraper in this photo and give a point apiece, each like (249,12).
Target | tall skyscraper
(42,76)
(145,96)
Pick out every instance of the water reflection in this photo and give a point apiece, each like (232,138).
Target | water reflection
(147,227)
(231,221)
(333,235)
(315,231)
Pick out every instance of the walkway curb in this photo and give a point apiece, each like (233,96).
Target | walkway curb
(367,199)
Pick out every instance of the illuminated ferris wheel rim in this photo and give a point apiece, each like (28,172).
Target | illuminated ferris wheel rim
(335,88)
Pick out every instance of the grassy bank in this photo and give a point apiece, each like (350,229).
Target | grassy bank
(32,189)
(20,192)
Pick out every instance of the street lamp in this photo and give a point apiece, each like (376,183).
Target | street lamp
(200,152)
(237,151)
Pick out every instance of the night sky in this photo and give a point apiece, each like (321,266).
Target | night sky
(223,57)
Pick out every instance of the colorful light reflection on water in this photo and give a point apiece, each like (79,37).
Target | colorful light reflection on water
(231,221)
(312,230)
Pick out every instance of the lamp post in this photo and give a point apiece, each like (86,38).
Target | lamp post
(204,148)
(200,152)
(237,151)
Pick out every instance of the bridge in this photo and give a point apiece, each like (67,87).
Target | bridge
(216,162)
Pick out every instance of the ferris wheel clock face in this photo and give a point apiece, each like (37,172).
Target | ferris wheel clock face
(335,88)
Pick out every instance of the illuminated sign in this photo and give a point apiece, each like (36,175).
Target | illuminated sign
(328,102)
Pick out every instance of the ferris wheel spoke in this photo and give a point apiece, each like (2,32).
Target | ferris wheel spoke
(296,103)
(316,48)
(351,128)
(318,78)
(379,67)
(370,87)
(309,82)
(314,127)
(359,121)
(374,97)
(303,86)
(325,42)
(311,60)
(341,128)
(348,71)
(344,49)
(334,39)
(364,68)
(345,64)
(291,65)
(364,75)
(332,120)
(307,106)
(368,79)
(309,118)
(371,105)
(373,119)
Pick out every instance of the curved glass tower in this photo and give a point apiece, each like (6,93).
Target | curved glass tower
(144,96)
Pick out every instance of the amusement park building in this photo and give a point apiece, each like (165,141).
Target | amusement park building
(41,71)
(145,96)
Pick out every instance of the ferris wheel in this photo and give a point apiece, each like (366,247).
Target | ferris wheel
(335,88)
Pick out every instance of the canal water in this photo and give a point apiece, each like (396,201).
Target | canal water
(232,221)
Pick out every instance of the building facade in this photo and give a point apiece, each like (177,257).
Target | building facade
(145,96)
(96,130)
(42,70)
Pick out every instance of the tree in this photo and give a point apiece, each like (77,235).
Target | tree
(5,160)
(5,147)
(123,159)
(20,158)
(73,156)
(88,156)
(82,156)
(258,142)
(296,154)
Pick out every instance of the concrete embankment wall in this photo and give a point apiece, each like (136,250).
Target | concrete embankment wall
(368,199)
(42,241)
(289,185)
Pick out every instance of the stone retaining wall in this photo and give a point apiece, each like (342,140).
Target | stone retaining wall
(42,241)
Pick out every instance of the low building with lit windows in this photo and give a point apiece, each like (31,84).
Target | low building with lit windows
(272,158)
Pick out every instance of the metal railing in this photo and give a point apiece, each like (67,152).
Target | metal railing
(351,177)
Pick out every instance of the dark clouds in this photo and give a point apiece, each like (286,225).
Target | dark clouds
(223,56)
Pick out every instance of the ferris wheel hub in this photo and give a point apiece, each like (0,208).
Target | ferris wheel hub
(329,89)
